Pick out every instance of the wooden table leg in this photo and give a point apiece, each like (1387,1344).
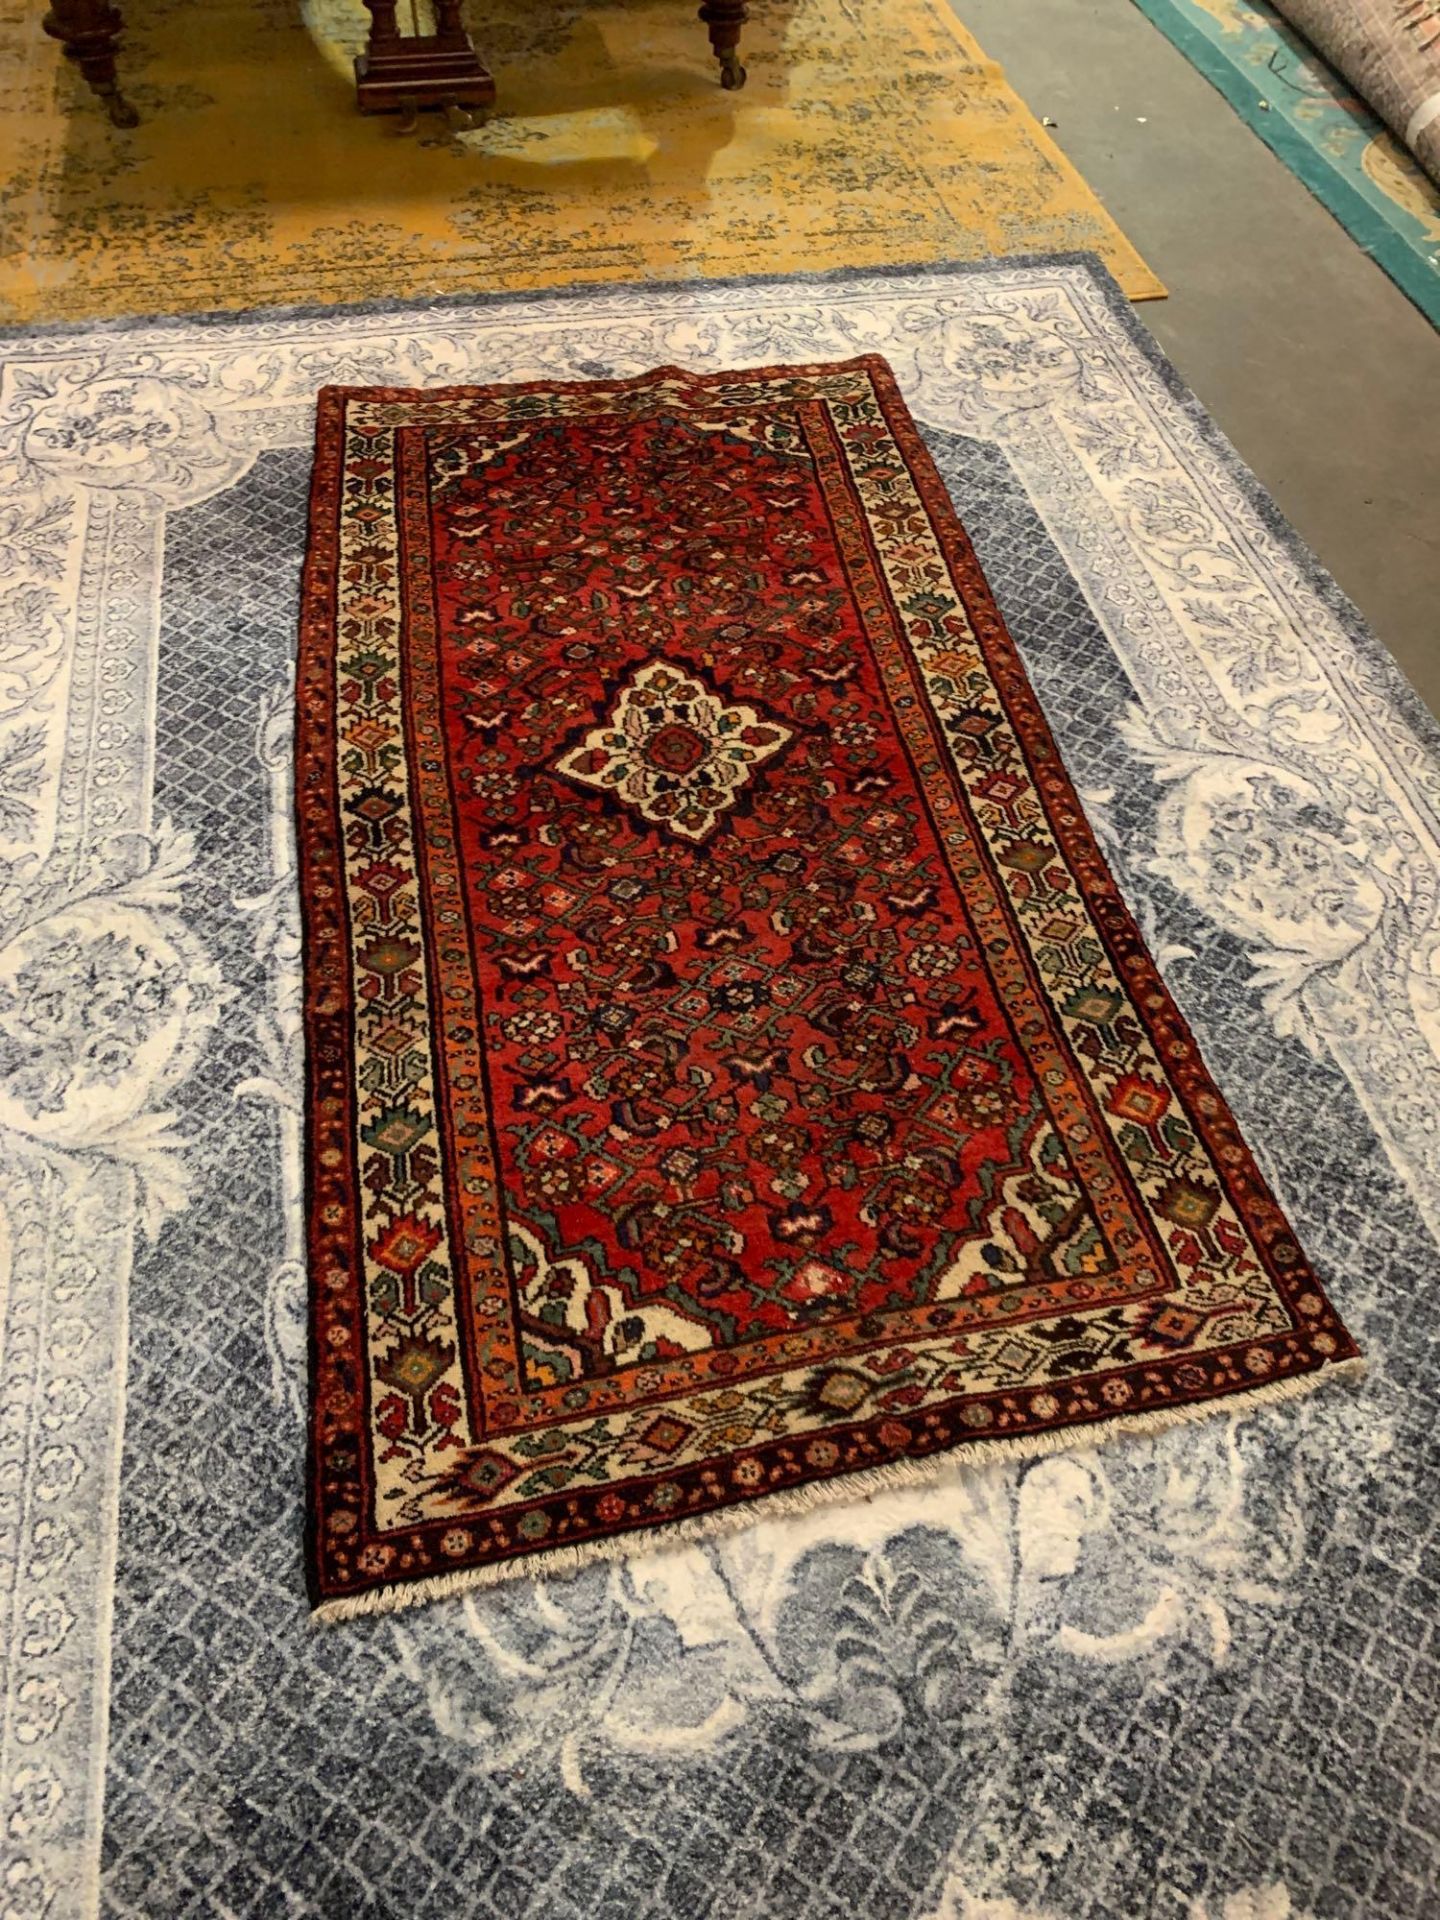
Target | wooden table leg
(88,30)
(725,18)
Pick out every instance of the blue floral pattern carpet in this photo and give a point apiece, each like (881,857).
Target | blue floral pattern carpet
(1193,1676)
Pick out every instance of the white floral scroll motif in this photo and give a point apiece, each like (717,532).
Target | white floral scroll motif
(21,773)
(32,637)
(35,532)
(106,429)
(106,999)
(1303,872)
(985,366)
(831,1617)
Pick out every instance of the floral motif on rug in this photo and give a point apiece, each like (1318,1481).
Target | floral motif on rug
(732,1068)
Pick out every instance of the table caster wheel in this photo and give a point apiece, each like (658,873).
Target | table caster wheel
(121,113)
(732,74)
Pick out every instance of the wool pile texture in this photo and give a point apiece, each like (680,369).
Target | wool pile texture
(732,1066)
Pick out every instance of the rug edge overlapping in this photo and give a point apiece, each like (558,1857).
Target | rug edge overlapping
(862,1484)
(397,1594)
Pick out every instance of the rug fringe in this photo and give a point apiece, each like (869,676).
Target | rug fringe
(865,1483)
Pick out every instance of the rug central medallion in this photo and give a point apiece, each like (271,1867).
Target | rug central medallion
(674,751)
(730,1063)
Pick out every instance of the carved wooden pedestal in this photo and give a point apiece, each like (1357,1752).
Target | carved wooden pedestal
(400,74)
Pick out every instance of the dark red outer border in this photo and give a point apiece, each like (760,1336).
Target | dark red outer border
(317,605)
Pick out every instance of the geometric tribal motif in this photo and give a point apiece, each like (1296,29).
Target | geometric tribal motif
(674,751)
(732,1067)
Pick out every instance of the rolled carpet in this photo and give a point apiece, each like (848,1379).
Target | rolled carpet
(1389,50)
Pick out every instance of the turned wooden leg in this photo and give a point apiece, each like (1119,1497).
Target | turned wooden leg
(725,18)
(384,32)
(449,27)
(88,30)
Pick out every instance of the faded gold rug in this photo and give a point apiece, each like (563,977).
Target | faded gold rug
(870,131)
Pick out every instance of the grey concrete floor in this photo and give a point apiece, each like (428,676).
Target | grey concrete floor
(1313,363)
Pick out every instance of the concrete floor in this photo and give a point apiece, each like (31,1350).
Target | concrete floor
(1314,364)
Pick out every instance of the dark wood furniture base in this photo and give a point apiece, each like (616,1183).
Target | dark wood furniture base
(403,73)
(89,31)
(419,72)
(395,74)
(725,18)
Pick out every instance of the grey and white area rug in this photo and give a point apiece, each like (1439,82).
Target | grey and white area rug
(1194,1676)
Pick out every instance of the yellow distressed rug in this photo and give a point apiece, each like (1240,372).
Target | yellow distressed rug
(870,131)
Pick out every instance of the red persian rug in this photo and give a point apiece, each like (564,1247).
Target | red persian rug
(732,1068)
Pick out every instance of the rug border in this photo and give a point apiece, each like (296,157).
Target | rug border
(485,297)
(314,585)
(1245,1185)
(859,1484)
